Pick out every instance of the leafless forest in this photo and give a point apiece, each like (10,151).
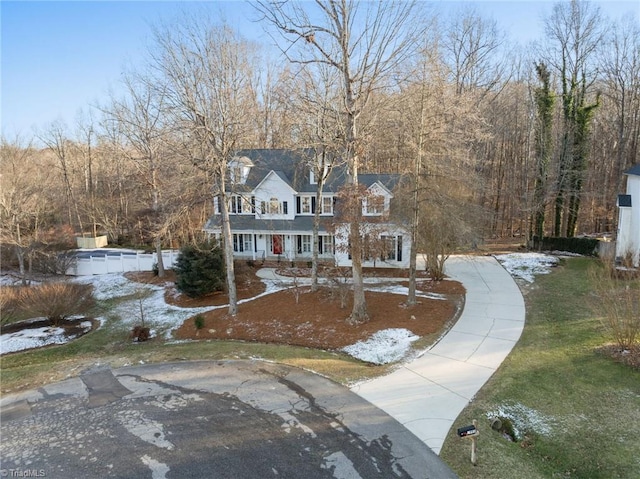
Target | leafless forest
(502,141)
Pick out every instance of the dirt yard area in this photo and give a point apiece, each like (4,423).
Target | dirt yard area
(297,316)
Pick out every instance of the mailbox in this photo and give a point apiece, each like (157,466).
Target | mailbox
(467,431)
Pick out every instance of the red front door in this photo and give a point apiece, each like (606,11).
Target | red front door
(277,244)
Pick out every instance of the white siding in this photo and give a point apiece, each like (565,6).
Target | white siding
(628,239)
(274,187)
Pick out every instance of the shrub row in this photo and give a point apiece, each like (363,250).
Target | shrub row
(55,301)
(584,246)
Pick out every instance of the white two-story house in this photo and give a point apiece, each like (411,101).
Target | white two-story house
(628,240)
(272,203)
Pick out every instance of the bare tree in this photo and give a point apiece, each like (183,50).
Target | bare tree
(207,70)
(544,100)
(472,48)
(620,64)
(116,189)
(87,138)
(435,126)
(364,43)
(57,140)
(315,101)
(23,200)
(141,116)
(574,31)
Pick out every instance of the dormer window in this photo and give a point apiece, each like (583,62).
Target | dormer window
(375,205)
(313,180)
(239,169)
(236,175)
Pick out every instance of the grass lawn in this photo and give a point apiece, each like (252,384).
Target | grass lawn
(110,345)
(578,412)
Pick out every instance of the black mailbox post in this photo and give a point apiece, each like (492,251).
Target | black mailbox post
(467,431)
(471,432)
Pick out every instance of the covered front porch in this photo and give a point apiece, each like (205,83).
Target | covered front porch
(280,246)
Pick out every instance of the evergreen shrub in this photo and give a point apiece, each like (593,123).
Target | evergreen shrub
(200,270)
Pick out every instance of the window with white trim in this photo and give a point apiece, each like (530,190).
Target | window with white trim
(306,243)
(242,242)
(326,244)
(239,204)
(305,205)
(327,205)
(374,205)
(274,207)
(392,248)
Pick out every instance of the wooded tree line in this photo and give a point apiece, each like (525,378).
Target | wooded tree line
(505,141)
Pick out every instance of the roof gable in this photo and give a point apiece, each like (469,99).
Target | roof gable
(378,188)
(634,170)
(277,176)
(292,166)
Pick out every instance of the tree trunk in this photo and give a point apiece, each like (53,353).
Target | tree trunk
(316,227)
(227,245)
(160,259)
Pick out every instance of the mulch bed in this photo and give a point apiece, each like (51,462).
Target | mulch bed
(628,357)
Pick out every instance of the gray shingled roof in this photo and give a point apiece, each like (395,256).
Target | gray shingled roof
(290,165)
(634,170)
(240,223)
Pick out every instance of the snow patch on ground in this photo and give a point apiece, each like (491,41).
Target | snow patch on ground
(383,347)
(523,419)
(113,285)
(526,266)
(36,338)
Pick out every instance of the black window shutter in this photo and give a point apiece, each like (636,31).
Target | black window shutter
(399,257)
(299,244)
(255,243)
(313,204)
(297,205)
(320,251)
(219,205)
(285,207)
(263,206)
(253,204)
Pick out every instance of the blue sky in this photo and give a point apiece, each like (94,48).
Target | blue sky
(60,57)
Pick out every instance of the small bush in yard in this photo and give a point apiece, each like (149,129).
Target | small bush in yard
(198,321)
(618,301)
(9,304)
(57,301)
(140,334)
(200,271)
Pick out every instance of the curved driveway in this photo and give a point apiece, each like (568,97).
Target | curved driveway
(428,393)
(224,419)
(253,419)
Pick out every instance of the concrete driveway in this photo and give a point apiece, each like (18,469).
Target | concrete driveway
(428,393)
(226,419)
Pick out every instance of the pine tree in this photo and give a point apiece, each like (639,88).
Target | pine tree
(200,271)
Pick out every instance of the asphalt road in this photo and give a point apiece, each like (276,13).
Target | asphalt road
(227,419)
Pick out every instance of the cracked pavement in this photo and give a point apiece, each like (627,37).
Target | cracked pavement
(222,419)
